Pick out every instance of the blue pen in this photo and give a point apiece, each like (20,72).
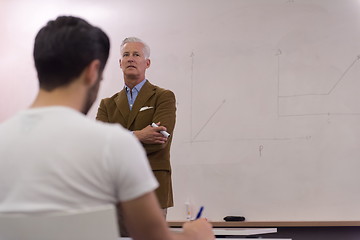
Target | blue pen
(199,213)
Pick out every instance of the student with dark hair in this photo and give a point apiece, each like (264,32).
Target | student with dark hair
(55,159)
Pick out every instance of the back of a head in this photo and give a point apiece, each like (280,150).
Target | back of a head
(64,47)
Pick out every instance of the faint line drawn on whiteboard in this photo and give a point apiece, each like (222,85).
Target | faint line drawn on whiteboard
(209,119)
(269,139)
(308,97)
(261,148)
(193,138)
(191,94)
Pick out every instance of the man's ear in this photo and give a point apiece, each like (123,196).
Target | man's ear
(148,62)
(92,72)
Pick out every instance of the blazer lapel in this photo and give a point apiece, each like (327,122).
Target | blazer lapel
(123,105)
(145,93)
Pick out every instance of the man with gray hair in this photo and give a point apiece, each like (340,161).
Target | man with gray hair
(140,104)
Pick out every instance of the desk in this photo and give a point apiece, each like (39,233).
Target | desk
(242,231)
(223,224)
(299,230)
(125,238)
(237,232)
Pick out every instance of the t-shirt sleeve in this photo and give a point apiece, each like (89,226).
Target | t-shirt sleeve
(130,171)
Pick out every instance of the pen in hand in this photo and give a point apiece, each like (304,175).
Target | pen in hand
(199,213)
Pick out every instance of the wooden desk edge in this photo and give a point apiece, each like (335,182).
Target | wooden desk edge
(277,224)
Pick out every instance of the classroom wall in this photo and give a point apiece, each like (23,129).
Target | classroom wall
(267,96)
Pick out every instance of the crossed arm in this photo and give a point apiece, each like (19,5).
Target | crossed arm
(165,115)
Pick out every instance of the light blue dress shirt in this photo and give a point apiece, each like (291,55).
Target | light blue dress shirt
(132,93)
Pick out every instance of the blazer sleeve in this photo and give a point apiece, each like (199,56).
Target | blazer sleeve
(165,113)
(102,114)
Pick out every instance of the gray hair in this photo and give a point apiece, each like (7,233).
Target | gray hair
(146,48)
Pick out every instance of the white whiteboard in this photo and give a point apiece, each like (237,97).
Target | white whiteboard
(267,96)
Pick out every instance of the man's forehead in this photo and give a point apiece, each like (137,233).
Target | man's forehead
(133,46)
(132,50)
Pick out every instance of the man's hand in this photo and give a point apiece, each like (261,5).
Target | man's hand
(151,135)
(199,229)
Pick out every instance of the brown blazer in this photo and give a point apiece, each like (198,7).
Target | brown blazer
(153,104)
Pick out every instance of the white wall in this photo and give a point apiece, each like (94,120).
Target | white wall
(267,96)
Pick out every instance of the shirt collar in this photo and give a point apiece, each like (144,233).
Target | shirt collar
(137,86)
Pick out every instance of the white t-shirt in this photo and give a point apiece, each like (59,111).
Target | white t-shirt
(55,159)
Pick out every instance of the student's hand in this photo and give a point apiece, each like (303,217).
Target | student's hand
(199,229)
(151,135)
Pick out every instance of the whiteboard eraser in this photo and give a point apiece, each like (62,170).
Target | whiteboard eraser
(234,218)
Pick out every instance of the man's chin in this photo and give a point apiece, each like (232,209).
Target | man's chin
(131,76)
